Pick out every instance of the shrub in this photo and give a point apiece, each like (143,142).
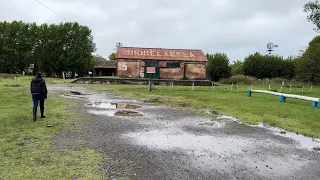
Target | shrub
(240,79)
(5,76)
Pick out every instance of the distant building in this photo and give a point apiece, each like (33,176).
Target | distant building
(105,68)
(161,63)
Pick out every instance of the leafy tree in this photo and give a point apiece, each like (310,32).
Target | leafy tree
(268,66)
(52,48)
(237,68)
(113,57)
(288,68)
(218,66)
(252,65)
(308,65)
(97,58)
(312,8)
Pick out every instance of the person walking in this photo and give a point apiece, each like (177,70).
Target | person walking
(39,93)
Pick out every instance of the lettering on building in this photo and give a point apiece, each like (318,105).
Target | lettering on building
(156,53)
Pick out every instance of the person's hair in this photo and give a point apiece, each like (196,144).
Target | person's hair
(38,75)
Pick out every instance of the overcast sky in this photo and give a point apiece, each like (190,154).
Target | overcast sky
(236,27)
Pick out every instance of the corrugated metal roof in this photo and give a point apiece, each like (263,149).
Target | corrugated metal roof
(105,64)
(160,54)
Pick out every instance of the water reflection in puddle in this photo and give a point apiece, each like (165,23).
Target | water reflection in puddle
(105,105)
(304,142)
(197,144)
(115,109)
(112,113)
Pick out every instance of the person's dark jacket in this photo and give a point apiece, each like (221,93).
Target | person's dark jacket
(38,85)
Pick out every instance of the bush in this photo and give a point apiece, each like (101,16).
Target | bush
(5,76)
(240,79)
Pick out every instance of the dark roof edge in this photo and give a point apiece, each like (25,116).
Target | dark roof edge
(161,48)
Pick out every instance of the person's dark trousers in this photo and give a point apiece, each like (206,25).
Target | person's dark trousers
(36,99)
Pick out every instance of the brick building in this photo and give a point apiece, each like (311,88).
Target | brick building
(161,63)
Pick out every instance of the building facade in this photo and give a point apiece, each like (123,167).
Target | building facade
(105,68)
(161,63)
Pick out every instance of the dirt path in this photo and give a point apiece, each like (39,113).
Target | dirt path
(144,141)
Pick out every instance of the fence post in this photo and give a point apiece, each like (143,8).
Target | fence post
(15,79)
(212,85)
(269,86)
(232,87)
(192,85)
(149,85)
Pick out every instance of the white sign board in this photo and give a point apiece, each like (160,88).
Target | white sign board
(124,67)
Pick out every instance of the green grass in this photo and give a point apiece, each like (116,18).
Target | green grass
(26,149)
(294,115)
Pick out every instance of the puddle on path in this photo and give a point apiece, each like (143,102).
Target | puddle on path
(210,112)
(196,143)
(115,109)
(215,124)
(127,113)
(222,117)
(104,105)
(304,142)
(118,113)
(219,153)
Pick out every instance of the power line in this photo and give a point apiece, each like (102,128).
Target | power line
(51,10)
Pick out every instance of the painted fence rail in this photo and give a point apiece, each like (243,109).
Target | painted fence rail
(283,96)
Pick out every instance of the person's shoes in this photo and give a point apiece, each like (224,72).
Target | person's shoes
(34,114)
(42,112)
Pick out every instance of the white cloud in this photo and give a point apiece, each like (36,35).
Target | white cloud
(231,26)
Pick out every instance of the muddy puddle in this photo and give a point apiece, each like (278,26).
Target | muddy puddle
(105,105)
(210,112)
(219,153)
(115,109)
(303,141)
(167,140)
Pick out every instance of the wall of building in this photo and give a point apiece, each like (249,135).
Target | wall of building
(128,69)
(171,73)
(135,69)
(195,71)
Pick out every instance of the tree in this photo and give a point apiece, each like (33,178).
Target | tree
(268,66)
(253,65)
(288,68)
(218,66)
(313,13)
(237,68)
(52,48)
(113,57)
(308,65)
(98,58)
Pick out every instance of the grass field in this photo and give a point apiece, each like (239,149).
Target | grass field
(294,115)
(27,152)
(26,149)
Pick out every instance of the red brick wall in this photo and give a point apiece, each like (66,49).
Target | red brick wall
(133,69)
(195,71)
(171,73)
